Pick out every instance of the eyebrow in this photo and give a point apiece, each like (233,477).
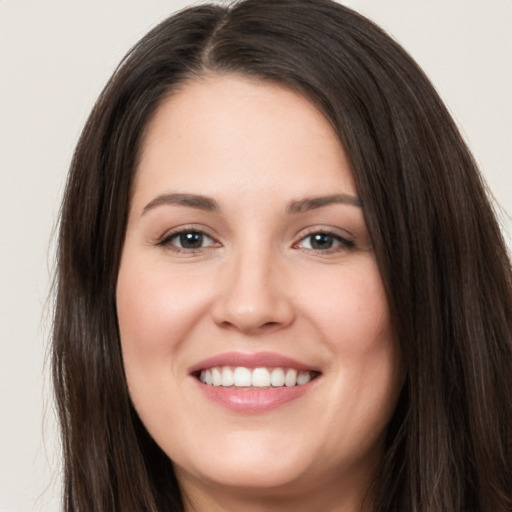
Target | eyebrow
(207,204)
(312,203)
(191,200)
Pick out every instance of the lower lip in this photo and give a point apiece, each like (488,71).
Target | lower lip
(253,400)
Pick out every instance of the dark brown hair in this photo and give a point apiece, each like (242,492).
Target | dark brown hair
(437,243)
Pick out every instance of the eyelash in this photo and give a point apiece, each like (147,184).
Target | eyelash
(338,242)
(342,243)
(166,241)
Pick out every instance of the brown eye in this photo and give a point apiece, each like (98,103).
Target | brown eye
(191,240)
(187,240)
(321,241)
(324,241)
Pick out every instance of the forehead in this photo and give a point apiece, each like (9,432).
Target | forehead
(221,129)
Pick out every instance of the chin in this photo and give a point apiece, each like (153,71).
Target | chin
(249,464)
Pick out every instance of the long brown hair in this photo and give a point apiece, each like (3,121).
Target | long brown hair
(437,243)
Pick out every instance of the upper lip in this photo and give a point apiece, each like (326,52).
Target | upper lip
(255,360)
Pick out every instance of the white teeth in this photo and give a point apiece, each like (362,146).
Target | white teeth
(242,377)
(291,378)
(216,377)
(260,378)
(303,378)
(277,377)
(257,377)
(227,376)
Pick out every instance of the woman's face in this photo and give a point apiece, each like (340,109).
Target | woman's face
(255,330)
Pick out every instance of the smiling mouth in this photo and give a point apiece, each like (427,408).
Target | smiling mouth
(250,378)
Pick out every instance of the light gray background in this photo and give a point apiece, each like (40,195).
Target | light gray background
(55,57)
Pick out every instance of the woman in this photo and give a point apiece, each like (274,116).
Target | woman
(281,284)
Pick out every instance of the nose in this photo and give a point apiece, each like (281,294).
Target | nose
(254,294)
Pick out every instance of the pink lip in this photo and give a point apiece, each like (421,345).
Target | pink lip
(243,400)
(257,360)
(253,400)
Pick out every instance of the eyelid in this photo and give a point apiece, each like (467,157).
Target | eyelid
(346,240)
(164,240)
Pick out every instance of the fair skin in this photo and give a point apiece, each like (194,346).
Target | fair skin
(229,263)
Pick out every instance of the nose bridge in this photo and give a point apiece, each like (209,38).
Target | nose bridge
(254,295)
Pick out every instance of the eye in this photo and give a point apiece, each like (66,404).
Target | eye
(324,241)
(187,240)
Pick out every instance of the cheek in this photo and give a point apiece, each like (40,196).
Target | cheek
(353,316)
(156,310)
(351,310)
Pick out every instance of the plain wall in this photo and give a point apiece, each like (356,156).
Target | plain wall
(55,57)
